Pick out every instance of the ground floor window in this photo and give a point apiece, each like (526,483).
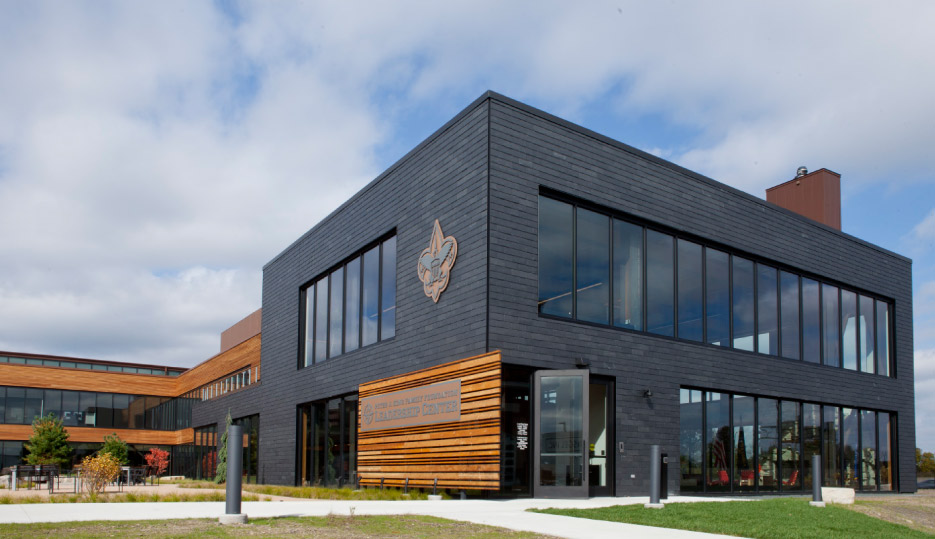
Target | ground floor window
(328,442)
(743,443)
(251,446)
(11,454)
(206,451)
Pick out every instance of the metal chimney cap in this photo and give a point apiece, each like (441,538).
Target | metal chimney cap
(801,171)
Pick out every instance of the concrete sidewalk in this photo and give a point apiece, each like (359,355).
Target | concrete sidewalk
(510,514)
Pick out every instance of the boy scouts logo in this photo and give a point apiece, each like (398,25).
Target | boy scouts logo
(435,263)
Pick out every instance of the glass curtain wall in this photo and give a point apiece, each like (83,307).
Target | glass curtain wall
(21,406)
(602,270)
(742,443)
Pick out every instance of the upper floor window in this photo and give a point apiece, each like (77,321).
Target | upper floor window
(596,268)
(351,306)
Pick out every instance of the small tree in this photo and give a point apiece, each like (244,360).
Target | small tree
(116,447)
(220,475)
(158,461)
(48,443)
(97,471)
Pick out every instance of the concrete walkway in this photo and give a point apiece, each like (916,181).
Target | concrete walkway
(510,514)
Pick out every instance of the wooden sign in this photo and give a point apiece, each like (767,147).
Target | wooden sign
(435,403)
(461,453)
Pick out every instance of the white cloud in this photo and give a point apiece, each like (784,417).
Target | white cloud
(143,142)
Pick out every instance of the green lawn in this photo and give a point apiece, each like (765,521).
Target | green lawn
(775,518)
(330,527)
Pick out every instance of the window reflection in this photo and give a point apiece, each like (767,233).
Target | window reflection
(690,291)
(691,444)
(592,261)
(811,321)
(789,314)
(719,441)
(866,335)
(660,281)
(883,338)
(321,319)
(742,294)
(762,444)
(830,325)
(343,309)
(555,257)
(768,443)
(791,446)
(767,311)
(717,297)
(352,306)
(388,290)
(743,459)
(628,271)
(591,268)
(371,296)
(849,329)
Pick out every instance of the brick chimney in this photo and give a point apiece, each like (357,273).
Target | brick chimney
(816,195)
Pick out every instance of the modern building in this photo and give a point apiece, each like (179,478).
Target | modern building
(522,307)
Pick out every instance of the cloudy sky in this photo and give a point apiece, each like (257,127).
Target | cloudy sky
(154,155)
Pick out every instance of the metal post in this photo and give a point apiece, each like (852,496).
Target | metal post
(655,472)
(234,470)
(406,487)
(13,479)
(816,482)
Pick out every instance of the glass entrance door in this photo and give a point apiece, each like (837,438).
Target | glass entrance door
(561,427)
(600,438)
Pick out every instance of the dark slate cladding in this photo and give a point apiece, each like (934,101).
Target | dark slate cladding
(445,179)
(531,151)
(481,175)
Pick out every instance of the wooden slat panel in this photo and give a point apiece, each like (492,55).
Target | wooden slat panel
(95,435)
(85,380)
(239,357)
(243,355)
(460,454)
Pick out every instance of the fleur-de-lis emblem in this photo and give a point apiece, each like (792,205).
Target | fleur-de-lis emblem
(435,263)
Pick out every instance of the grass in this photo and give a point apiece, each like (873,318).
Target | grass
(315,493)
(128,497)
(775,518)
(326,527)
(322,493)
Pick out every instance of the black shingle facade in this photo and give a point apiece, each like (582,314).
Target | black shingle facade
(481,175)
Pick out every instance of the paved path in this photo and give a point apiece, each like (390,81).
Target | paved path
(510,514)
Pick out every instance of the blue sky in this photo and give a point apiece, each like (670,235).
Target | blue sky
(154,156)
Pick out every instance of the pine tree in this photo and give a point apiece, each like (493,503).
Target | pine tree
(48,443)
(220,475)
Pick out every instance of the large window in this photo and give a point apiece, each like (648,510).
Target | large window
(743,443)
(21,406)
(596,268)
(353,305)
(328,442)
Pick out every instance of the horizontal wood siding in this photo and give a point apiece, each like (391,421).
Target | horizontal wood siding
(461,454)
(85,380)
(93,435)
(237,358)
